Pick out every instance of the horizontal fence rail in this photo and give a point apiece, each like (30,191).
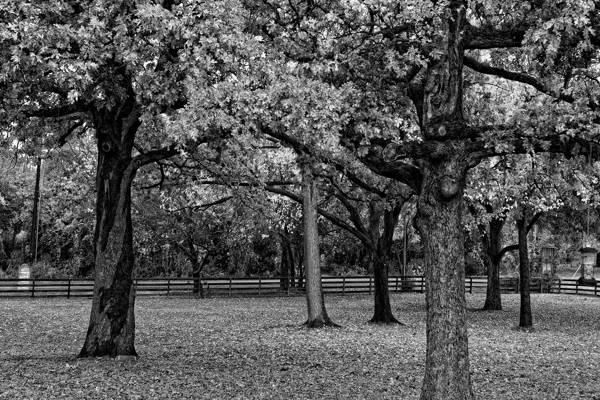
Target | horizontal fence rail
(219,287)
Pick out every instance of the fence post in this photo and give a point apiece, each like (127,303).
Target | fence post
(370,285)
(422,284)
(396,284)
(229,287)
(596,289)
(32,287)
(471,285)
(259,285)
(168,286)
(69,289)
(343,285)
(577,287)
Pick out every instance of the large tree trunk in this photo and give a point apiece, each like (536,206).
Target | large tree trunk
(439,209)
(447,373)
(111,330)
(525,318)
(317,314)
(493,300)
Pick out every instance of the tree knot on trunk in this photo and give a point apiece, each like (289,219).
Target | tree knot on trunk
(106,146)
(449,187)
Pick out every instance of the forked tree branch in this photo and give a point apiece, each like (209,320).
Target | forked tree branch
(332,218)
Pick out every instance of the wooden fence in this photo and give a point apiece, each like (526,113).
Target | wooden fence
(273,286)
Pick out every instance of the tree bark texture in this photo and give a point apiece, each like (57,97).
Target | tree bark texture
(317,314)
(493,299)
(383,309)
(447,373)
(380,258)
(525,318)
(111,330)
(439,212)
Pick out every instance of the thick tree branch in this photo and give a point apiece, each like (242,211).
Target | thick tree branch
(155,155)
(62,139)
(514,247)
(267,183)
(204,206)
(514,142)
(58,111)
(395,169)
(353,211)
(486,38)
(505,250)
(354,178)
(337,164)
(527,79)
(533,221)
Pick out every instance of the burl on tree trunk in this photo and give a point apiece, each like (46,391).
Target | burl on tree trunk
(439,210)
(439,219)
(317,314)
(111,329)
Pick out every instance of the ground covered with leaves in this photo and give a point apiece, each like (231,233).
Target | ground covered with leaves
(257,349)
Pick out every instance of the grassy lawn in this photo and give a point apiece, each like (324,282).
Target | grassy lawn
(256,348)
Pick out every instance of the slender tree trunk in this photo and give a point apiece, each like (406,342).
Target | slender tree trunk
(380,261)
(286,261)
(383,309)
(317,314)
(301,271)
(525,318)
(35,214)
(192,254)
(111,330)
(198,290)
(3,256)
(292,267)
(493,299)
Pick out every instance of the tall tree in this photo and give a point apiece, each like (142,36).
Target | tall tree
(317,314)
(119,68)
(395,56)
(524,223)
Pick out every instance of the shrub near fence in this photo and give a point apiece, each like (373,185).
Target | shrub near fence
(273,286)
